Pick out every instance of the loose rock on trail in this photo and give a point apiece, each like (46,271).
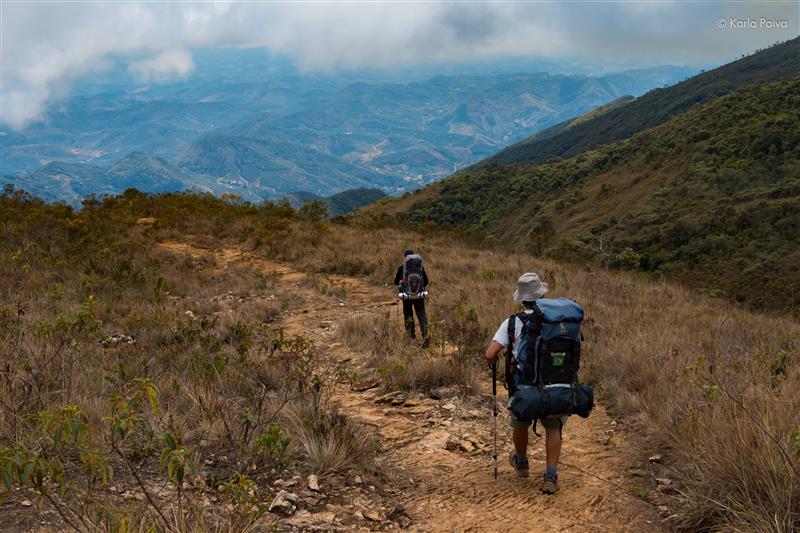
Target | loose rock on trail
(437,452)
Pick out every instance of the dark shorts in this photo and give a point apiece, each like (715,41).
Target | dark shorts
(549,422)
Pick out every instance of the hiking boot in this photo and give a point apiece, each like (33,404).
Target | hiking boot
(550,484)
(426,341)
(520,464)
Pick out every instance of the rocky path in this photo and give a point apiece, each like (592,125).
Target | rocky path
(437,452)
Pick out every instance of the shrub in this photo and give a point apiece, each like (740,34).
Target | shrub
(627,259)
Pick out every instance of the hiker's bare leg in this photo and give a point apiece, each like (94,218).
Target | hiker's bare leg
(520,438)
(552,444)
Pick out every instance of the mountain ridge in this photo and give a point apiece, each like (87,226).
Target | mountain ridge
(657,106)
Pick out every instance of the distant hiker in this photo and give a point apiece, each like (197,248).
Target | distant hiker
(542,359)
(412,284)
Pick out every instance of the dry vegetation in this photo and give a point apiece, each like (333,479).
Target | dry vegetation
(125,365)
(714,385)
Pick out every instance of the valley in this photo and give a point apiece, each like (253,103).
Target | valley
(259,129)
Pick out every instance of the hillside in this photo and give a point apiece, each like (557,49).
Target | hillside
(656,107)
(339,203)
(346,201)
(710,197)
(168,355)
(147,173)
(66,181)
(273,167)
(561,127)
(409,134)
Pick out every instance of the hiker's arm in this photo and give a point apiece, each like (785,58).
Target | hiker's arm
(493,352)
(399,276)
(424,278)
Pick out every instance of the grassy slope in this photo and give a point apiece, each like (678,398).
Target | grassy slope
(657,106)
(672,371)
(711,197)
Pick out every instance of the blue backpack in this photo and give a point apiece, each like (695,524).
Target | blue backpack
(549,349)
(548,358)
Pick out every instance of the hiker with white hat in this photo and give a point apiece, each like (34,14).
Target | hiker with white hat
(512,335)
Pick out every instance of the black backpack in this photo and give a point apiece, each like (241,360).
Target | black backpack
(413,278)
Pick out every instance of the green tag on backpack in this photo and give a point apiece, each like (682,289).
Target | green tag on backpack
(558,358)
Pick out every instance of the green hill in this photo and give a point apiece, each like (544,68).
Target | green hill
(151,174)
(711,197)
(656,107)
(340,203)
(61,180)
(278,166)
(346,201)
(64,181)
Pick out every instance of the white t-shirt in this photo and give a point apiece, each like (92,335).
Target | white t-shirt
(502,333)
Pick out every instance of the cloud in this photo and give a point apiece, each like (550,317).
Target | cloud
(163,67)
(46,46)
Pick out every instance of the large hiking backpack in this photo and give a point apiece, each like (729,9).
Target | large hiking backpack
(545,367)
(413,286)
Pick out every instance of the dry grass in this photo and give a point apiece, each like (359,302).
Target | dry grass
(401,363)
(715,385)
(206,368)
(330,441)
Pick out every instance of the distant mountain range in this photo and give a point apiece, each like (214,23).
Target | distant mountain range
(245,129)
(699,182)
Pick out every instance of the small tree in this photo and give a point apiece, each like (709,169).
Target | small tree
(314,211)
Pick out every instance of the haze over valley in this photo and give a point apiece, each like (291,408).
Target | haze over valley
(253,125)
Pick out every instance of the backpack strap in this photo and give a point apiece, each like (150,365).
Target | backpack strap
(509,374)
(536,318)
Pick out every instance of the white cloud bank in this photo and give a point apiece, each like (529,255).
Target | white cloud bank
(46,45)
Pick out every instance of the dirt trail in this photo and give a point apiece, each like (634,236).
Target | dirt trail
(450,487)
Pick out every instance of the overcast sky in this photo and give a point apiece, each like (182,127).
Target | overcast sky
(48,45)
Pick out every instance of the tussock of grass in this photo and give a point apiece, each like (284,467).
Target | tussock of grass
(330,441)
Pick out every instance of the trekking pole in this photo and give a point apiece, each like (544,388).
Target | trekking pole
(494,415)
